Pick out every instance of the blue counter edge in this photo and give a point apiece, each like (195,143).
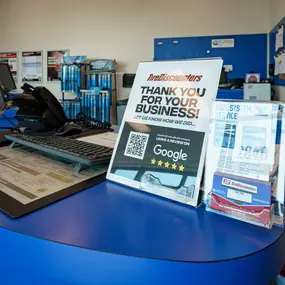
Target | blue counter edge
(30,260)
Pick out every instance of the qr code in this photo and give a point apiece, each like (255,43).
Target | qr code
(136,145)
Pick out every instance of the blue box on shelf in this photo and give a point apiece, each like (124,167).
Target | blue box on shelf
(231,94)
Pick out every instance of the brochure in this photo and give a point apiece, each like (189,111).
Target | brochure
(242,160)
(246,198)
(162,140)
(241,140)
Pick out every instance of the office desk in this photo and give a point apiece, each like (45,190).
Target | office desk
(111,234)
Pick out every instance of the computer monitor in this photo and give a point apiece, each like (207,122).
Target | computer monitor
(6,79)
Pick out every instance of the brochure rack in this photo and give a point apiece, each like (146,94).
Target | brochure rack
(71,107)
(96,104)
(244,174)
(263,218)
(101,75)
(73,80)
(94,85)
(152,184)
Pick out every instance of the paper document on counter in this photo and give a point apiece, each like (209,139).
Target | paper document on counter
(107,139)
(27,175)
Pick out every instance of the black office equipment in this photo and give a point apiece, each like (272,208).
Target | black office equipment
(79,152)
(2,100)
(90,123)
(89,126)
(39,110)
(7,82)
(237,83)
(128,80)
(69,129)
(27,88)
(271,69)
(223,77)
(223,83)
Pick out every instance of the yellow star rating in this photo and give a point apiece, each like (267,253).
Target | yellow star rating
(181,167)
(166,164)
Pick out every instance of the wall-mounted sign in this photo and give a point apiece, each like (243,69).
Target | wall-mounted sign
(54,62)
(32,66)
(223,43)
(11,59)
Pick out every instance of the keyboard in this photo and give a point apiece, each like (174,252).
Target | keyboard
(82,153)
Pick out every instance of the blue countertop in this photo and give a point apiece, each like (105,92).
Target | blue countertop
(113,218)
(139,238)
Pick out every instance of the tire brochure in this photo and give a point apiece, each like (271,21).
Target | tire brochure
(243,159)
(161,144)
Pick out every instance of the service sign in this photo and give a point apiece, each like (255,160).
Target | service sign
(162,140)
(223,43)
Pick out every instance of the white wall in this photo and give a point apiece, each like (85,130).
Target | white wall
(122,29)
(277,12)
(2,9)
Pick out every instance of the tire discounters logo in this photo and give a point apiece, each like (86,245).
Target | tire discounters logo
(239,185)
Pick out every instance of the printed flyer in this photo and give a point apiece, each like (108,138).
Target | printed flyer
(12,60)
(247,198)
(54,62)
(242,159)
(32,66)
(162,139)
(240,140)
